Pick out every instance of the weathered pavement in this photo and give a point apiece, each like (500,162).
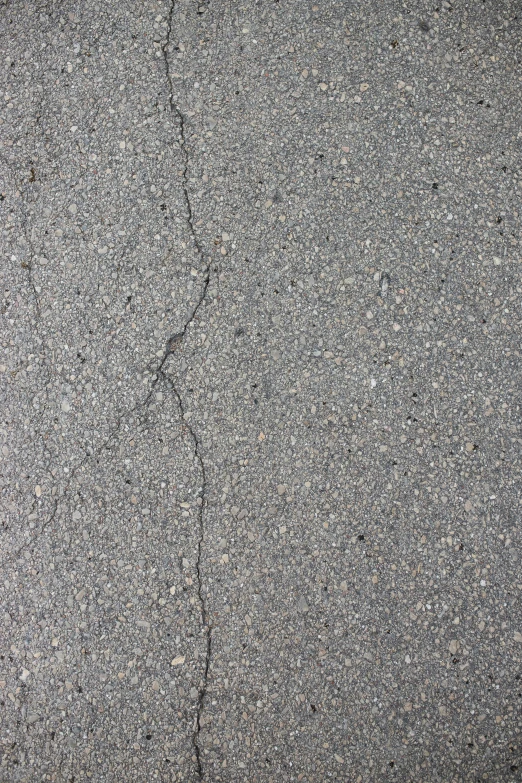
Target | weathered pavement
(260,384)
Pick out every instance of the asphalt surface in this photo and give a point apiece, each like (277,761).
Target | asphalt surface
(260,391)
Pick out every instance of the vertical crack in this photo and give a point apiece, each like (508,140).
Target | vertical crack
(172,345)
(207,628)
(28,265)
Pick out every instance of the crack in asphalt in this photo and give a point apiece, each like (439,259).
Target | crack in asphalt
(29,263)
(160,373)
(61,499)
(172,346)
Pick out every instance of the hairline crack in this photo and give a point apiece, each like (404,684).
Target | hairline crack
(171,347)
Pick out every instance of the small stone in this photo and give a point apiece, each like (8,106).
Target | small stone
(364,86)
(38,491)
(302,606)
(66,407)
(453,646)
(517,636)
(178,660)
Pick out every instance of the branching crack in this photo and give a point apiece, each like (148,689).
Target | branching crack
(172,345)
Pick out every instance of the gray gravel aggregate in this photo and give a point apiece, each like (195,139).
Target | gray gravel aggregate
(260,392)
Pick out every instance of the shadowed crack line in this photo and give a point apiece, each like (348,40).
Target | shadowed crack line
(29,263)
(202,601)
(172,346)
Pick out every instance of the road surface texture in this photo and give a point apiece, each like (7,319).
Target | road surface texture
(260,391)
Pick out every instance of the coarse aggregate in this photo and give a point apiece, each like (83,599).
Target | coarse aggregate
(260,391)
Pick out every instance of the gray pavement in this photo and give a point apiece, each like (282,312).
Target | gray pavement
(260,391)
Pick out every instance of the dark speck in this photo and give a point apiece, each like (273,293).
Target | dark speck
(174,342)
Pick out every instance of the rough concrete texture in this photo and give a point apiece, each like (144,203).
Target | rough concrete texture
(260,391)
